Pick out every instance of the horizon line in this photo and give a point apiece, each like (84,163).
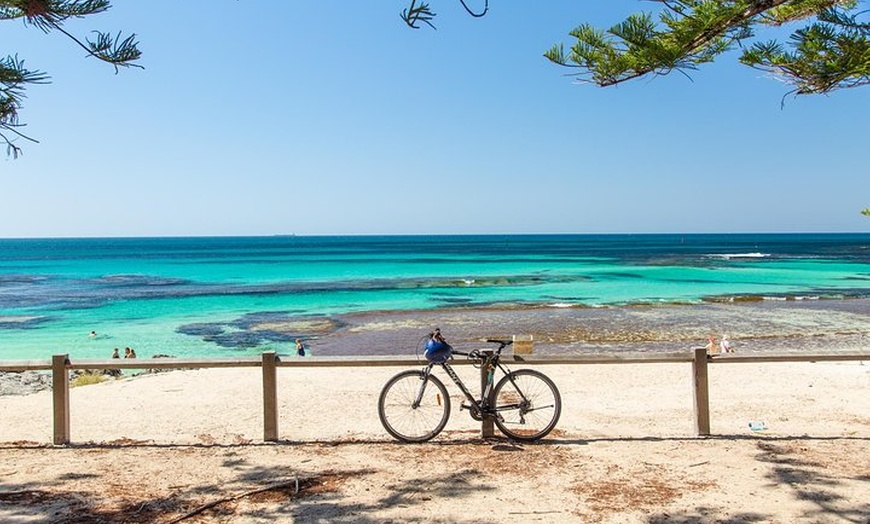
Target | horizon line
(412,235)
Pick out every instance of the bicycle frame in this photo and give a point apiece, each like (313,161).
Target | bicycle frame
(491,362)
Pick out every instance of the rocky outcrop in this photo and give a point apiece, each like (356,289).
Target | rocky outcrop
(23,382)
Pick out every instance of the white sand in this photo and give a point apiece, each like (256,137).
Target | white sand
(624,450)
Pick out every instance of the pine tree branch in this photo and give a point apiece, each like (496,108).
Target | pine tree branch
(472,13)
(830,54)
(13,77)
(414,14)
(833,53)
(422,13)
(50,15)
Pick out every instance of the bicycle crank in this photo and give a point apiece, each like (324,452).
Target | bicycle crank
(473,410)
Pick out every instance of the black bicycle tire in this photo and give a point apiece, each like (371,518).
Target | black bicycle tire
(510,379)
(386,420)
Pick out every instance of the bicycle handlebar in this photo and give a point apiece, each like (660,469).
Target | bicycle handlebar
(475,353)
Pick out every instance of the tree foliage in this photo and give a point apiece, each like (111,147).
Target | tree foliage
(830,51)
(51,16)
(416,13)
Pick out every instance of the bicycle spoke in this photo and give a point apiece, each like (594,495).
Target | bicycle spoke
(528,403)
(399,415)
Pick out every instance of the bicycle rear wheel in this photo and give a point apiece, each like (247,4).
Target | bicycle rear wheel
(528,405)
(402,419)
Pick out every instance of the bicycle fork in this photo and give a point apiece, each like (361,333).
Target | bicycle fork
(424,379)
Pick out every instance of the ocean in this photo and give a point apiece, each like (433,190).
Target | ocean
(234,296)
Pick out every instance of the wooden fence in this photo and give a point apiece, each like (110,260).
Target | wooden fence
(60,366)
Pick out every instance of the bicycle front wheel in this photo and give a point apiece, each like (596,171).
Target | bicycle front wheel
(527,405)
(409,422)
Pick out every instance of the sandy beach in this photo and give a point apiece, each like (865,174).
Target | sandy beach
(155,448)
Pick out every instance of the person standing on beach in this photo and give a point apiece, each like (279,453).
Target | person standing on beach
(115,372)
(300,348)
(711,345)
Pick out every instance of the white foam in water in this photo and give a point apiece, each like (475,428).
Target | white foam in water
(729,256)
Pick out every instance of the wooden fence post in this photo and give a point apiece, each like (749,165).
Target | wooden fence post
(60,398)
(270,396)
(702,392)
(486,425)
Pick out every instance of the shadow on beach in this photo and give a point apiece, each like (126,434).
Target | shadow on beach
(649,480)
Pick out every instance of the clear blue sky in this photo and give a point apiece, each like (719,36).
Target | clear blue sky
(259,118)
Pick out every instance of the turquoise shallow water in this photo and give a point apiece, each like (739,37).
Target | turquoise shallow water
(235,296)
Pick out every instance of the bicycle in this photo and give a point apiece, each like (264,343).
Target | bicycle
(525,404)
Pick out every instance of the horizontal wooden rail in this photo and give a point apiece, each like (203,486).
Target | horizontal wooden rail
(756,359)
(369,361)
(201,363)
(60,365)
(376,361)
(24,365)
